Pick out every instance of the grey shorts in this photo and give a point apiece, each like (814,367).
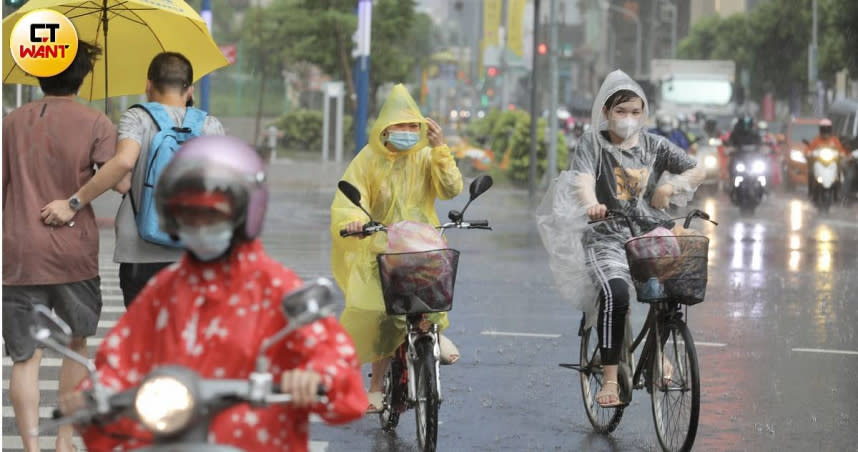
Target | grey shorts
(77,303)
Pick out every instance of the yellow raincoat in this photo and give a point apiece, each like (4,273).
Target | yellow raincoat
(394,186)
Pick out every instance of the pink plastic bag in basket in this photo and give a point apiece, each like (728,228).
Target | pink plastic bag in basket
(411,237)
(660,242)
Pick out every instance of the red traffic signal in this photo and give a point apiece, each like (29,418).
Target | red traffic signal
(542,48)
(492,71)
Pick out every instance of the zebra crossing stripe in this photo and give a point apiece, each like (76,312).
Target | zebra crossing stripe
(45,385)
(45,443)
(45,412)
(48,442)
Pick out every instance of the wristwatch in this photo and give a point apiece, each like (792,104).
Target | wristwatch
(74,203)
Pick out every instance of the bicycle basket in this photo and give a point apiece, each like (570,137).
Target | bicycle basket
(416,283)
(679,277)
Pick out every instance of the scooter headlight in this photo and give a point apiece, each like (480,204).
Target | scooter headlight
(715,142)
(711,162)
(758,167)
(740,167)
(797,156)
(827,154)
(164,405)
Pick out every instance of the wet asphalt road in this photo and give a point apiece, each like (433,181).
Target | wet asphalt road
(776,337)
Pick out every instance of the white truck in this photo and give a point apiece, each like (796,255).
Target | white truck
(691,86)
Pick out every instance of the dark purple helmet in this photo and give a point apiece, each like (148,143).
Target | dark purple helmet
(215,165)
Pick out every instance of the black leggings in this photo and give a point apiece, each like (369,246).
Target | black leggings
(613,305)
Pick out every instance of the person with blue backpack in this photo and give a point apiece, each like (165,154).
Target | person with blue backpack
(149,135)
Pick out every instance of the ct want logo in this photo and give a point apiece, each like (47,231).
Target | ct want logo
(43,43)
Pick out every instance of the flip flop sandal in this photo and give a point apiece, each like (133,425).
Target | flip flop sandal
(667,376)
(449,353)
(376,403)
(605,393)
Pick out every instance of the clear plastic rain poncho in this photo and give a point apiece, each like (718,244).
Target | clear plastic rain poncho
(584,257)
(394,186)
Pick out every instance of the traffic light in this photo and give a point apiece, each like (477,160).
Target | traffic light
(542,48)
(492,71)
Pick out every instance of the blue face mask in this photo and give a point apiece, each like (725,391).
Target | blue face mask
(403,140)
(207,243)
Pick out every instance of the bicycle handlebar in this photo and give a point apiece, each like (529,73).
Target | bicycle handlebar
(372,228)
(613,214)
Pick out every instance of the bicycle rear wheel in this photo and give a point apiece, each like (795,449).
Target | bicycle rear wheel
(675,386)
(603,420)
(426,405)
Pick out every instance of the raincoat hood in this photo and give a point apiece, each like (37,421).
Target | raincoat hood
(615,81)
(399,108)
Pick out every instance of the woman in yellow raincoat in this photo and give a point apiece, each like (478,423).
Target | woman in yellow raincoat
(399,174)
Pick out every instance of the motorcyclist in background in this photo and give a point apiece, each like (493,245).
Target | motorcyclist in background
(768,139)
(824,139)
(664,127)
(685,127)
(744,132)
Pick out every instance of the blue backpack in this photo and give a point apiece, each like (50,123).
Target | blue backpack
(163,146)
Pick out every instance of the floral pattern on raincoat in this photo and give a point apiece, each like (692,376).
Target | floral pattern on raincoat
(394,186)
(212,318)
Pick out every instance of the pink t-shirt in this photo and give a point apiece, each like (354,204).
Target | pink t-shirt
(50,147)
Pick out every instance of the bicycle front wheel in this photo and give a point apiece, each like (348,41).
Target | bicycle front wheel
(675,385)
(394,393)
(603,420)
(426,406)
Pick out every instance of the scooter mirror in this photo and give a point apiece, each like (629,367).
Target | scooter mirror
(480,185)
(349,190)
(46,325)
(309,303)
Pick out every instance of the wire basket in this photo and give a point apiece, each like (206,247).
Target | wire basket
(669,273)
(417,283)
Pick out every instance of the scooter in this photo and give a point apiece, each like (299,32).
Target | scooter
(825,171)
(706,153)
(749,171)
(180,423)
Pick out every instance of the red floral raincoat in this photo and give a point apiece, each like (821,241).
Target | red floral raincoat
(212,317)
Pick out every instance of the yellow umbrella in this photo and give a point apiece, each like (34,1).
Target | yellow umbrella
(135,31)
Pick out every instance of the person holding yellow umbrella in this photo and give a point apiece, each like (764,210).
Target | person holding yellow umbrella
(131,33)
(50,146)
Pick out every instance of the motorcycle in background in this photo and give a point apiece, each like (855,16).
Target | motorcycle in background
(749,174)
(826,174)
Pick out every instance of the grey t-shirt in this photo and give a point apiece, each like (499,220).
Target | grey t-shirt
(137,125)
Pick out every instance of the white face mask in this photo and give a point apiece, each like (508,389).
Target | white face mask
(209,242)
(624,127)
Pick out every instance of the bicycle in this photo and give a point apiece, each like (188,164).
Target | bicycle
(667,283)
(416,284)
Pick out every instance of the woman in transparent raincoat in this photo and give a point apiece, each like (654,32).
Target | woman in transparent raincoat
(399,173)
(617,166)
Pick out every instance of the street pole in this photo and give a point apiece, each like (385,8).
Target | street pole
(638,33)
(815,82)
(531,180)
(673,20)
(362,72)
(503,43)
(206,14)
(551,139)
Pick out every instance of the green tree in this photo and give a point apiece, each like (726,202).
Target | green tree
(772,42)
